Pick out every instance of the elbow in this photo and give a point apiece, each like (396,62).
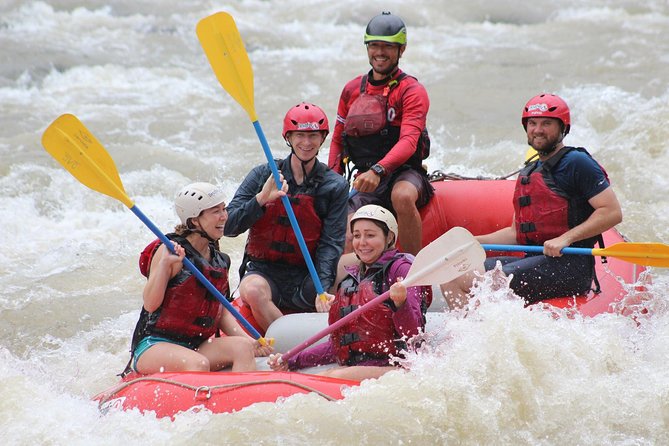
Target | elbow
(151,308)
(151,304)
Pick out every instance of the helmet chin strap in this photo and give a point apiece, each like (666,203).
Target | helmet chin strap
(302,163)
(195,230)
(205,235)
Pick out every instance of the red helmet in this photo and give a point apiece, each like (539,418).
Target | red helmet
(305,117)
(547,106)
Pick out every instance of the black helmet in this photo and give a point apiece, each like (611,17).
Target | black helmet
(386,27)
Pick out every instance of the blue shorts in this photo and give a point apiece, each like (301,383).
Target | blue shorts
(149,342)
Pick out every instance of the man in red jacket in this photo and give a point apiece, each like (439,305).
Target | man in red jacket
(381,131)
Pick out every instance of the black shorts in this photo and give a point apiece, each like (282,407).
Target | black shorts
(292,288)
(381,196)
(538,277)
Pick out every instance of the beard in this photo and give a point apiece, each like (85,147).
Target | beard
(388,71)
(546,146)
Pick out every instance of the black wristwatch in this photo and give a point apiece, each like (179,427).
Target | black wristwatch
(378,169)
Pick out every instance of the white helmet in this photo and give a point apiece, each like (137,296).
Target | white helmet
(195,198)
(378,213)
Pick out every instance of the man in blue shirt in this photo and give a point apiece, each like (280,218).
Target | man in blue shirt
(562,199)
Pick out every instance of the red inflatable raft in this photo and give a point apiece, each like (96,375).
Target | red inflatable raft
(167,394)
(481,206)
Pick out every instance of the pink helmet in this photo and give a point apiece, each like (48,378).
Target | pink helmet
(305,117)
(547,106)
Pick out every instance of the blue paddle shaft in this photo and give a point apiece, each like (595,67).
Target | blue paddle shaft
(192,268)
(539,249)
(289,210)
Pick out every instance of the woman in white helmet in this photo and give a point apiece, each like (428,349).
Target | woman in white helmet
(180,318)
(366,348)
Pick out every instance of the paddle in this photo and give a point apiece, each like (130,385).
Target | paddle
(75,147)
(446,258)
(648,254)
(224,48)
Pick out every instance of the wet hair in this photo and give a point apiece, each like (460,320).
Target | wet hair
(182,230)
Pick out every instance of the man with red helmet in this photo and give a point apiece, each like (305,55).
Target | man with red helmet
(380,131)
(562,199)
(275,276)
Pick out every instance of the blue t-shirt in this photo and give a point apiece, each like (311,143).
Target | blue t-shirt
(579,175)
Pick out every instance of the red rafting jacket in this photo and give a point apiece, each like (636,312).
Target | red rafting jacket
(408,104)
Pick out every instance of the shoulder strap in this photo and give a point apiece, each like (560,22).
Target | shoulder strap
(363,83)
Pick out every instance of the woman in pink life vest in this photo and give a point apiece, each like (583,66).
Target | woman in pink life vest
(367,347)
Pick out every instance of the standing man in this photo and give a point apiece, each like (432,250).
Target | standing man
(381,131)
(276,278)
(562,199)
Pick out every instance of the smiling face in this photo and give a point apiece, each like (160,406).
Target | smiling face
(212,221)
(305,144)
(384,57)
(544,134)
(369,240)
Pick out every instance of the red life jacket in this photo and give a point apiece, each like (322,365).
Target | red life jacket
(272,238)
(543,210)
(372,335)
(189,312)
(368,135)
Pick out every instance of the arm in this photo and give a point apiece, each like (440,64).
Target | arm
(320,354)
(246,207)
(408,318)
(504,236)
(164,266)
(333,232)
(607,214)
(230,326)
(415,106)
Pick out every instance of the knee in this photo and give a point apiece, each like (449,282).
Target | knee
(254,290)
(197,364)
(404,198)
(243,348)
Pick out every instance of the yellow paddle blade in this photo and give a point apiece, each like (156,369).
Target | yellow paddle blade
(75,147)
(530,154)
(224,48)
(648,254)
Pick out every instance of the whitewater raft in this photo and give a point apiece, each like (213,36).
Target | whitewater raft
(481,206)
